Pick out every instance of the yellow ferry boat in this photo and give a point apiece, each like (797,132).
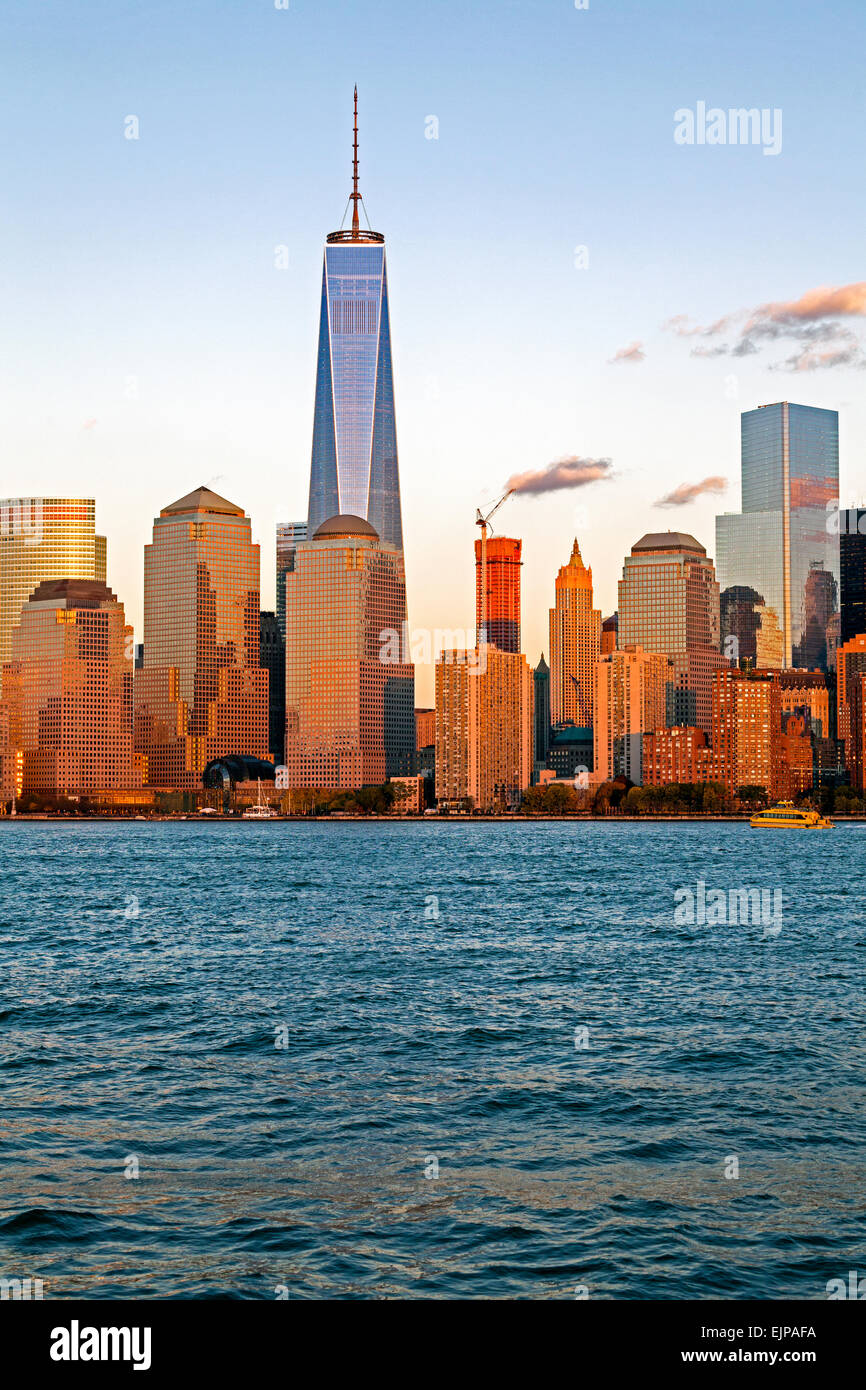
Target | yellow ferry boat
(786,814)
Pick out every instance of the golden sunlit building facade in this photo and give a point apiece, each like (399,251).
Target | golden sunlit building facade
(69,692)
(669,602)
(9,785)
(630,689)
(679,754)
(850,663)
(484,728)
(795,755)
(502,564)
(575,643)
(747,731)
(455,673)
(44,538)
(350,686)
(201,692)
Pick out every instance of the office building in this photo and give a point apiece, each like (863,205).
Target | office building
(630,696)
(44,538)
(796,757)
(201,692)
(425,728)
(570,753)
(575,642)
(852,573)
(455,729)
(850,666)
(9,760)
(746,730)
(781,544)
(541,682)
(807,693)
(69,691)
(669,603)
(499,556)
(350,707)
(272,655)
(289,534)
(678,754)
(484,729)
(609,633)
(354,468)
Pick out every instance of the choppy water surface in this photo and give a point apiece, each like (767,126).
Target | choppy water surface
(429,980)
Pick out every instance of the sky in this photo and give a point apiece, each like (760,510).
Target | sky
(567,279)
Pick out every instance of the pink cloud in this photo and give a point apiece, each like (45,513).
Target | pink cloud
(563,473)
(633,353)
(811,320)
(689,492)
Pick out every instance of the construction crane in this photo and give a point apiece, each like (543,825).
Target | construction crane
(484,522)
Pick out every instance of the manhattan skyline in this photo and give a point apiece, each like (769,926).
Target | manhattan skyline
(153,344)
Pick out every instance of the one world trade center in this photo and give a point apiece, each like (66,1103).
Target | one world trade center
(354,463)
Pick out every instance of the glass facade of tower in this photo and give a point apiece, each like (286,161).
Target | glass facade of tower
(44,538)
(784,543)
(289,533)
(201,692)
(852,572)
(354,461)
(669,602)
(69,687)
(350,689)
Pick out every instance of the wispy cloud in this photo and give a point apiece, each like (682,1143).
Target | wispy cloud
(563,473)
(688,492)
(811,321)
(633,353)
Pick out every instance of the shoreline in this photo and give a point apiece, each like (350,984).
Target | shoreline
(344,818)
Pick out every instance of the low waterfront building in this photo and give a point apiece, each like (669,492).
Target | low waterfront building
(679,754)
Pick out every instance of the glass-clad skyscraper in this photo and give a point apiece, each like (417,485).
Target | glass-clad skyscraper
(354,462)
(289,533)
(785,543)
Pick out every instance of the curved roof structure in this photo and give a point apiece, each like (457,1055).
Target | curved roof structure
(237,767)
(346,524)
(667,540)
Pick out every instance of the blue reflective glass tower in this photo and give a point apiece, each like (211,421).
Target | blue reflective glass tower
(354,462)
(784,544)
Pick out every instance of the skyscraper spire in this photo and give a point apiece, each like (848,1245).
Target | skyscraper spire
(355,195)
(354,461)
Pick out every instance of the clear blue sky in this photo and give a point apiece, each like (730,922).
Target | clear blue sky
(148,342)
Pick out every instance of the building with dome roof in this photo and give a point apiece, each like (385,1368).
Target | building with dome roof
(350,687)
